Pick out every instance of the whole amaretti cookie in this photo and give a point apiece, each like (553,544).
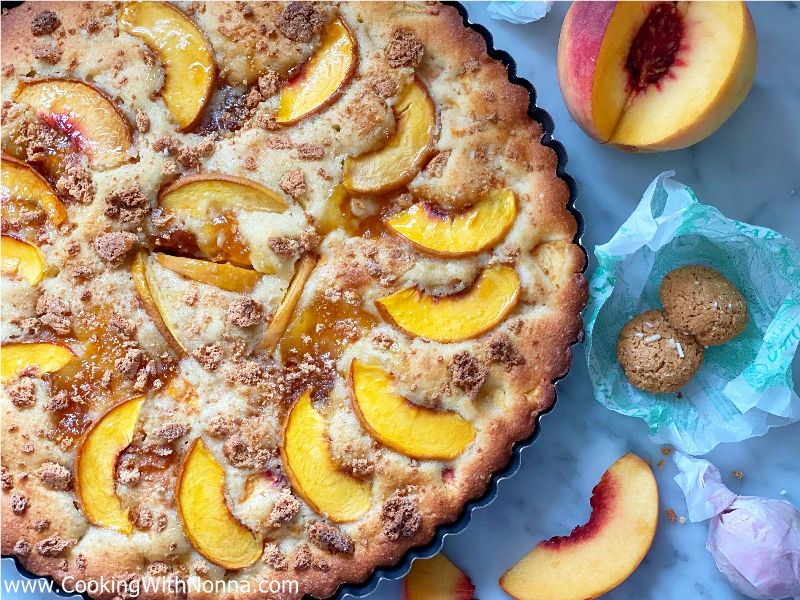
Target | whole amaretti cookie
(655,356)
(702,302)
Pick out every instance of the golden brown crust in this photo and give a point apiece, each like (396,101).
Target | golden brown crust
(486,139)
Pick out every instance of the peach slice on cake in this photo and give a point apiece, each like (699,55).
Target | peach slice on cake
(434,231)
(437,578)
(95,466)
(22,188)
(649,76)
(286,308)
(406,151)
(461,316)
(598,556)
(21,259)
(149,294)
(86,115)
(222,275)
(47,357)
(207,520)
(322,78)
(415,431)
(186,55)
(310,469)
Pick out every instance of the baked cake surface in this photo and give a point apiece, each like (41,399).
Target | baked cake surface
(282,285)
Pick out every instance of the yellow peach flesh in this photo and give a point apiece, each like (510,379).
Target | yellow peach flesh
(85,114)
(310,469)
(437,578)
(286,308)
(457,317)
(207,520)
(461,234)
(216,191)
(185,54)
(23,188)
(20,259)
(412,430)
(600,555)
(95,466)
(47,357)
(406,151)
(222,275)
(322,78)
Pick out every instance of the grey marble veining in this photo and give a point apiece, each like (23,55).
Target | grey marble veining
(750,169)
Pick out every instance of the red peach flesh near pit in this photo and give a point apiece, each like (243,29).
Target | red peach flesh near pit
(655,46)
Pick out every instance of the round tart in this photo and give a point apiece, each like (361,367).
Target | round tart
(282,286)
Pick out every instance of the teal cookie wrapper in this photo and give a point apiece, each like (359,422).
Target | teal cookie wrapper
(745,386)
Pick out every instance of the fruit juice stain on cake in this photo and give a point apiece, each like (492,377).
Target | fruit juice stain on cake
(224,241)
(654,49)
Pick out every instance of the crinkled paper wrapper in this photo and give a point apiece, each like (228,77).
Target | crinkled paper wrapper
(744,387)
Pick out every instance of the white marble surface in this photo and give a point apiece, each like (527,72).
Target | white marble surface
(750,169)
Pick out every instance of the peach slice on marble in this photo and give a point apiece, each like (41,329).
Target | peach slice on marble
(312,472)
(415,431)
(437,578)
(321,80)
(186,55)
(286,308)
(47,357)
(598,556)
(21,259)
(207,521)
(452,318)
(84,114)
(434,231)
(95,465)
(222,275)
(651,76)
(406,151)
(22,188)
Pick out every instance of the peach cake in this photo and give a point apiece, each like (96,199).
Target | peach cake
(282,286)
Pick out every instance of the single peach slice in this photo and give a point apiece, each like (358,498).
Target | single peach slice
(22,188)
(437,578)
(207,520)
(95,465)
(649,76)
(285,311)
(222,275)
(322,78)
(149,294)
(47,357)
(310,469)
(21,259)
(456,317)
(398,424)
(598,556)
(433,231)
(186,55)
(411,144)
(216,191)
(86,115)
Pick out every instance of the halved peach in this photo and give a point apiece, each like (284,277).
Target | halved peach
(143,282)
(222,275)
(434,231)
(86,115)
(22,188)
(598,556)
(207,521)
(437,578)
(21,259)
(467,314)
(398,424)
(47,357)
(649,76)
(286,308)
(96,462)
(322,78)
(406,151)
(186,55)
(310,469)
